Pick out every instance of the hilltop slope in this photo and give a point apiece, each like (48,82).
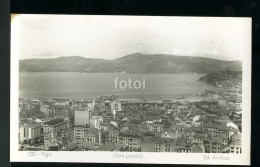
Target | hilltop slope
(133,63)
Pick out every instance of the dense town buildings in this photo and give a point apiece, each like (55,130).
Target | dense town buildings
(209,124)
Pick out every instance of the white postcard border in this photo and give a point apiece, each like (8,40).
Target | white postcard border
(133,157)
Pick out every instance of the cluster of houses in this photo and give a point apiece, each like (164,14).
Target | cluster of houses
(210,125)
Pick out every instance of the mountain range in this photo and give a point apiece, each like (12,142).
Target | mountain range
(133,63)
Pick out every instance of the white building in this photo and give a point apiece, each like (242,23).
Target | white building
(82,117)
(235,147)
(91,104)
(29,131)
(45,108)
(96,121)
(232,125)
(115,105)
(114,123)
(196,118)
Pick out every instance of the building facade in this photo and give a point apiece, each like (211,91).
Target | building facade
(55,126)
(131,140)
(82,117)
(115,105)
(29,131)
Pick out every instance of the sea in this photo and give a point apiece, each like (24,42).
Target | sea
(72,85)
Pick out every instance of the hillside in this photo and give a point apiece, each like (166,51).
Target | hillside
(224,79)
(133,63)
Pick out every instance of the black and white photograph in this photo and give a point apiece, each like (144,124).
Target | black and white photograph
(135,89)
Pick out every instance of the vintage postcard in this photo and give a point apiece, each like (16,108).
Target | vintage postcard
(130,89)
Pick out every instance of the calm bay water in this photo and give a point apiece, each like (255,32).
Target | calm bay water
(71,85)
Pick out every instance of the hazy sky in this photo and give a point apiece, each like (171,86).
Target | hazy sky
(110,37)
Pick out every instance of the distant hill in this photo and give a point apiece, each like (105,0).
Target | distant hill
(133,63)
(225,79)
(61,64)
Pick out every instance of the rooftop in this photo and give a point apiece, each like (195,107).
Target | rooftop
(80,128)
(120,147)
(92,130)
(198,136)
(107,147)
(54,121)
(148,139)
(82,110)
(163,141)
(30,125)
(236,143)
(113,131)
(129,135)
(71,147)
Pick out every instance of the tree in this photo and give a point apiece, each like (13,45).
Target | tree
(167,124)
(37,140)
(25,141)
(64,141)
(31,142)
(21,148)
(149,134)
(104,137)
(53,148)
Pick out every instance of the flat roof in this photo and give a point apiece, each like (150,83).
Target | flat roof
(55,121)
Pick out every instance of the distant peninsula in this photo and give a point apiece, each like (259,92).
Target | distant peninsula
(224,79)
